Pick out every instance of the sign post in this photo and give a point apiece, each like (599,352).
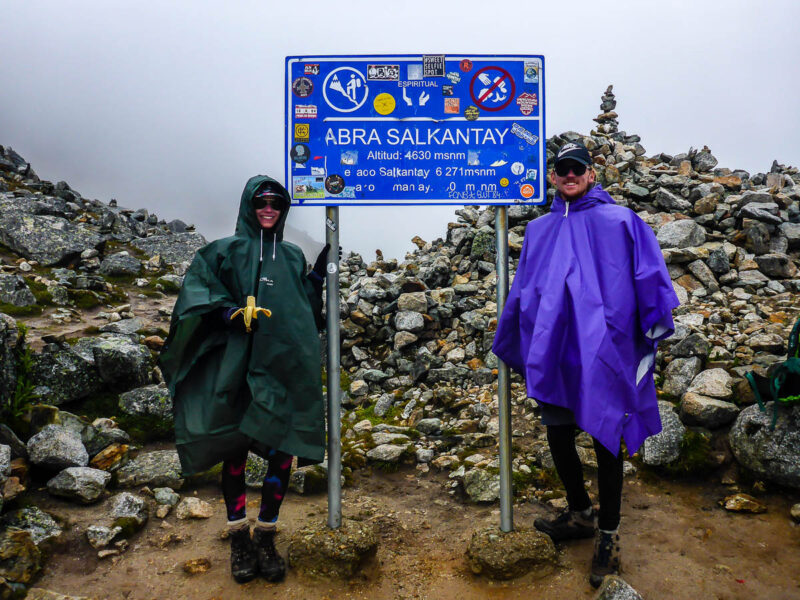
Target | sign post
(384,130)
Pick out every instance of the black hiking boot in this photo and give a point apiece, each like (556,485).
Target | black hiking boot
(244,562)
(606,559)
(569,525)
(270,564)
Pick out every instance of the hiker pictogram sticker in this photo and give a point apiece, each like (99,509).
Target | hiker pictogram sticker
(492,88)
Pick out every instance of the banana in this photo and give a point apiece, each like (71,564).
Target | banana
(250,312)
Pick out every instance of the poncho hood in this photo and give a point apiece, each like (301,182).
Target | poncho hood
(247,224)
(590,299)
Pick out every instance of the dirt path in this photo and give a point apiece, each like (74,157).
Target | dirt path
(677,543)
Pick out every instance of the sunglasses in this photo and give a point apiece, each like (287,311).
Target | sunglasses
(260,202)
(563,168)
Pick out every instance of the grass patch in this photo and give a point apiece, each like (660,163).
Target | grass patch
(169,287)
(84,299)
(20,311)
(695,458)
(40,292)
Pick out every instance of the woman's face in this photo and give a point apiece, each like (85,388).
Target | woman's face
(269,213)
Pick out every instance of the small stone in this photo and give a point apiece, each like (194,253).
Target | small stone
(196,566)
(165,495)
(128,512)
(795,512)
(743,503)
(616,588)
(194,508)
(162,510)
(388,453)
(100,536)
(84,484)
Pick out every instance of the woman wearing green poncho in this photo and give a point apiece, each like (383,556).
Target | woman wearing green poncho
(249,379)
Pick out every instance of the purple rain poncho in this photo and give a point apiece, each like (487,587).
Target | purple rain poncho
(589,302)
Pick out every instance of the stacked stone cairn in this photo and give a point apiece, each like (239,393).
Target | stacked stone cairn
(418,373)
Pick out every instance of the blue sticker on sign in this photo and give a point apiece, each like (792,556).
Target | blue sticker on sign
(415,129)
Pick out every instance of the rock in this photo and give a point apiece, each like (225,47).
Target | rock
(121,362)
(481,485)
(795,512)
(150,400)
(84,484)
(5,462)
(129,512)
(704,161)
(124,326)
(10,340)
(63,376)
(9,438)
(42,527)
(615,588)
(707,412)
(47,239)
(414,302)
(383,405)
(681,234)
(343,552)
(359,387)
(713,382)
(679,374)
(14,290)
(165,495)
(57,447)
(767,342)
(42,594)
(791,231)
(120,264)
(20,558)
(195,566)
(173,249)
(776,265)
(110,458)
(312,479)
(671,202)
(483,244)
(155,469)
(100,536)
(770,454)
(500,555)
(409,321)
(430,426)
(387,453)
(743,503)
(403,339)
(694,344)
(665,447)
(193,508)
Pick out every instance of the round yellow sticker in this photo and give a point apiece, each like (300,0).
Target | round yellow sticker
(504,182)
(384,103)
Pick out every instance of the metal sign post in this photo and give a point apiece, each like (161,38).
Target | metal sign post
(503,397)
(333,366)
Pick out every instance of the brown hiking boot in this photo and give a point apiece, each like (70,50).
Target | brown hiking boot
(606,559)
(569,525)
(270,564)
(244,564)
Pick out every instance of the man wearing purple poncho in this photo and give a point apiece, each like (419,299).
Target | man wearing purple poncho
(590,300)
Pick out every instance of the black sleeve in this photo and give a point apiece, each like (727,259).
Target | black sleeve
(313,287)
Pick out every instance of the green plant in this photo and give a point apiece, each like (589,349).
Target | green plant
(23,397)
(20,311)
(40,292)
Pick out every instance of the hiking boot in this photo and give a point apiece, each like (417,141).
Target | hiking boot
(569,525)
(606,559)
(244,562)
(270,564)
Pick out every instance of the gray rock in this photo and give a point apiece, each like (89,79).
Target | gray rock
(173,249)
(409,321)
(10,439)
(129,512)
(312,479)
(57,447)
(766,213)
(193,508)
(481,485)
(718,261)
(615,588)
(100,536)
(63,376)
(707,412)
(10,341)
(42,527)
(776,265)
(358,388)
(84,484)
(714,382)
(388,453)
(383,405)
(384,437)
(704,274)
(665,447)
(752,278)
(150,400)
(166,496)
(120,264)
(501,555)
(791,231)
(429,426)
(5,463)
(425,455)
(403,339)
(683,233)
(767,342)
(160,468)
(413,301)
(694,344)
(679,374)
(14,290)
(124,326)
(46,239)
(374,376)
(121,362)
(483,243)
(770,454)
(671,202)
(475,319)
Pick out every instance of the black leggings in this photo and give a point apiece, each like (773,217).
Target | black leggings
(609,475)
(272,491)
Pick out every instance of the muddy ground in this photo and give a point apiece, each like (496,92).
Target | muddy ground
(677,543)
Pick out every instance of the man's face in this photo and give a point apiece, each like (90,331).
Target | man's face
(269,213)
(571,186)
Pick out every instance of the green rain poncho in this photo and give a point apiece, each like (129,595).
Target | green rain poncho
(233,390)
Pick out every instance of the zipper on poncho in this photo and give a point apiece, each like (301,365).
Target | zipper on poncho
(274,245)
(566,212)
(261,248)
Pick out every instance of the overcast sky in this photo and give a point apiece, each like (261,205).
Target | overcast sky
(172,105)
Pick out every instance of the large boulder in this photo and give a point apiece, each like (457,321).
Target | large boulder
(14,290)
(665,447)
(160,468)
(47,239)
(150,400)
(57,447)
(121,362)
(120,264)
(83,484)
(712,413)
(771,454)
(62,376)
(173,249)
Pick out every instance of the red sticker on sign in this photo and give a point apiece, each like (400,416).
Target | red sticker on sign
(527,102)
(492,88)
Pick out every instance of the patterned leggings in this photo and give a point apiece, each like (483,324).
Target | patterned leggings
(272,492)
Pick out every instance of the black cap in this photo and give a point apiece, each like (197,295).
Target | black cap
(574,151)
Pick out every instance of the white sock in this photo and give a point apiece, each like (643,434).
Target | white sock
(610,531)
(585,513)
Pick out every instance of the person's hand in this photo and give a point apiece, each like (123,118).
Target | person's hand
(236,323)
(322,259)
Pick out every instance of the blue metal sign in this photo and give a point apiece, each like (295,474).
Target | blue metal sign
(415,129)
